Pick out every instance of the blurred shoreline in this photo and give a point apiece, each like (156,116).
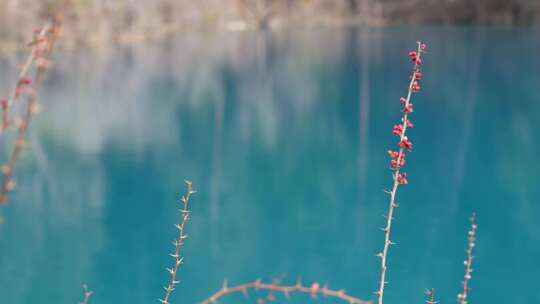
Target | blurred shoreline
(101,23)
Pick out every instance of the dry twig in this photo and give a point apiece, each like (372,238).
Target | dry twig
(42,46)
(87,294)
(431,296)
(314,290)
(471,237)
(184,216)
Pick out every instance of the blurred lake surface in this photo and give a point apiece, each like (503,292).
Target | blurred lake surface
(284,136)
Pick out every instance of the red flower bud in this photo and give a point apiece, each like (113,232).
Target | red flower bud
(393,154)
(394,162)
(409,124)
(402,178)
(416,86)
(402,100)
(405,144)
(397,130)
(408,108)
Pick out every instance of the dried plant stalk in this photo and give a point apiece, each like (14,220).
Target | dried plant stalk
(42,46)
(36,52)
(86,295)
(398,160)
(471,237)
(431,296)
(314,290)
(184,216)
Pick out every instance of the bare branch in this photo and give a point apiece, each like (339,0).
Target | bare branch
(471,237)
(314,290)
(184,216)
(87,294)
(431,296)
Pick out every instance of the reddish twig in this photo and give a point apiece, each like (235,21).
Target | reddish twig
(471,237)
(40,36)
(314,290)
(184,216)
(42,46)
(87,294)
(398,160)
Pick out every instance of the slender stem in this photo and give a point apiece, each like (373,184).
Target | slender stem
(471,237)
(431,296)
(184,216)
(43,47)
(387,242)
(32,57)
(314,291)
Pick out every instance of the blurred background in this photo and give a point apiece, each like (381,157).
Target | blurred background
(280,112)
(99,22)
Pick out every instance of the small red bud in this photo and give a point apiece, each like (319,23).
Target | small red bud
(409,124)
(397,130)
(393,154)
(408,108)
(415,87)
(394,162)
(402,178)
(405,144)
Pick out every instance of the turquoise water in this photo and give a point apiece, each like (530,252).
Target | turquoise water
(284,135)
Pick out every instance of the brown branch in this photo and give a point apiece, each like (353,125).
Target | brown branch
(398,161)
(184,216)
(43,45)
(471,237)
(87,294)
(314,290)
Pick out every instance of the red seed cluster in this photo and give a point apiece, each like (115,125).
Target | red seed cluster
(405,145)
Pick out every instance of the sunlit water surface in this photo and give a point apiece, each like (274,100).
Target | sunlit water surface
(284,135)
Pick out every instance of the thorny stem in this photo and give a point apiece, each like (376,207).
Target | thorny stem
(87,294)
(314,291)
(431,296)
(184,216)
(471,237)
(43,46)
(387,242)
